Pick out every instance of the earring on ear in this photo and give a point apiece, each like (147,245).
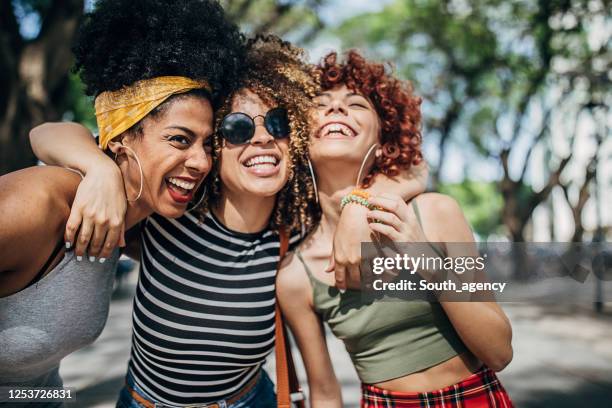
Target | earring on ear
(200,200)
(364,163)
(139,169)
(314,180)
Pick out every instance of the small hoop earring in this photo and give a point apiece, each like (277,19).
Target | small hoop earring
(196,205)
(314,180)
(364,162)
(139,169)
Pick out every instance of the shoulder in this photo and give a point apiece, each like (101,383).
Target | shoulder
(36,199)
(438,204)
(292,280)
(39,187)
(35,204)
(291,271)
(42,177)
(442,217)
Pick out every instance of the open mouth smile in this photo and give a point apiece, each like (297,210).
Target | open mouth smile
(262,164)
(337,130)
(181,189)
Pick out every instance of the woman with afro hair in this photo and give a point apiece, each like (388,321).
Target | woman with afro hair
(407,353)
(153,85)
(204,309)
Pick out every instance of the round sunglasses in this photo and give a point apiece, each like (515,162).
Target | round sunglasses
(239,128)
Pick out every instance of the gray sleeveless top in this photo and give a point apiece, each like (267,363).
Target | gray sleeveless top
(46,321)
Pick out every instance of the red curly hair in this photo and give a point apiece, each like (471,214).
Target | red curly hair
(398,109)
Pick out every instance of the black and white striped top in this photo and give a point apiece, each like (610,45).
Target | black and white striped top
(204,308)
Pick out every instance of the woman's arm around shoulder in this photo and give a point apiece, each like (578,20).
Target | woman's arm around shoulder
(444,221)
(294,294)
(34,204)
(66,144)
(100,205)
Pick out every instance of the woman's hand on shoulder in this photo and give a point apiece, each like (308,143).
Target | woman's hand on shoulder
(96,223)
(98,210)
(394,219)
(441,217)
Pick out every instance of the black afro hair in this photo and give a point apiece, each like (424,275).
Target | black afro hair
(123,41)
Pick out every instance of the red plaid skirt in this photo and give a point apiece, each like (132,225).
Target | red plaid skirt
(481,389)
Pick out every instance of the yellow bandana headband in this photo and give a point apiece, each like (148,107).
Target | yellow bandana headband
(117,111)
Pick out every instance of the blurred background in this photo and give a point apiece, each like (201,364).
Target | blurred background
(516,102)
(516,94)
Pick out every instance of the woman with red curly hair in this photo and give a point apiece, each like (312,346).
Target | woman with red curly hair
(406,353)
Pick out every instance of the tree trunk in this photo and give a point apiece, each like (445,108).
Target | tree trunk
(515,222)
(36,78)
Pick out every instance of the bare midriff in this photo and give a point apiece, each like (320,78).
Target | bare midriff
(442,375)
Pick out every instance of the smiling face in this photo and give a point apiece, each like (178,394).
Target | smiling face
(259,167)
(175,154)
(348,126)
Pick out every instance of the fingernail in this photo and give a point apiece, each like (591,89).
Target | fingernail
(92,259)
(102,260)
(68,244)
(79,258)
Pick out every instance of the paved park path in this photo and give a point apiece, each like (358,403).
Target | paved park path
(562,358)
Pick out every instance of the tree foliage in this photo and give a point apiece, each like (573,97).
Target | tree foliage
(501,80)
(506,83)
(298,19)
(481,203)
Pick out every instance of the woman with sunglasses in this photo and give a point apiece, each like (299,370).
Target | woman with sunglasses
(156,122)
(204,308)
(406,353)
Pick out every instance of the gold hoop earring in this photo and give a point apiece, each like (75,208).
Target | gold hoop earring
(139,169)
(365,162)
(314,180)
(200,200)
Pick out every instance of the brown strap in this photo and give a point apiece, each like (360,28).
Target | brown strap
(139,399)
(286,377)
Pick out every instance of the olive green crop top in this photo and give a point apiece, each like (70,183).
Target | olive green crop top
(386,339)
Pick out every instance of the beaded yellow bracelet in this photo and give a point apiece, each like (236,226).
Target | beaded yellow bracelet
(360,193)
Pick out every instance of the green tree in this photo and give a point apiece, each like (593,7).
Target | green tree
(495,75)
(481,202)
(298,19)
(35,60)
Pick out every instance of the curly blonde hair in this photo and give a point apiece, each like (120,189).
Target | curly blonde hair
(277,72)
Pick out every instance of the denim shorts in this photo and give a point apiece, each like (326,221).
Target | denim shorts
(261,396)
